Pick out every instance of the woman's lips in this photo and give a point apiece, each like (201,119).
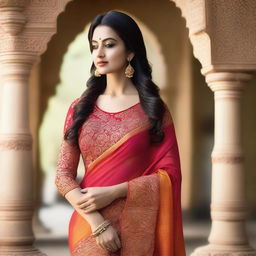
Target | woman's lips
(101,63)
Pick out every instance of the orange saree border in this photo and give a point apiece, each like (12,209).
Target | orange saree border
(82,229)
(166,242)
(164,227)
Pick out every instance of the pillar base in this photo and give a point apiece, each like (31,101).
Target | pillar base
(20,250)
(217,250)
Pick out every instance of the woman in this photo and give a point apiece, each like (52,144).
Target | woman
(128,202)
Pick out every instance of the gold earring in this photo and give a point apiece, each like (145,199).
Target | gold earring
(129,71)
(97,73)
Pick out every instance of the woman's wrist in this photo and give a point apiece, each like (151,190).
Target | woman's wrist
(93,218)
(120,190)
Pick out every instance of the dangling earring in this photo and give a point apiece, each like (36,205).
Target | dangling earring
(97,73)
(129,71)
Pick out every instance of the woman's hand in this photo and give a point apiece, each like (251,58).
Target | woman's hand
(109,240)
(94,198)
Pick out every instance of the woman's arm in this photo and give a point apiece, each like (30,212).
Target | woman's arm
(68,159)
(65,179)
(93,218)
(120,190)
(95,198)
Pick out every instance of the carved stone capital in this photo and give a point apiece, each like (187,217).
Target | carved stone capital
(221,42)
(33,22)
(12,18)
(13,3)
(17,66)
(231,81)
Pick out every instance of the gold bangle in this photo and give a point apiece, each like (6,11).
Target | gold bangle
(100,231)
(102,225)
(101,228)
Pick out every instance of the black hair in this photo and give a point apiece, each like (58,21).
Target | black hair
(151,102)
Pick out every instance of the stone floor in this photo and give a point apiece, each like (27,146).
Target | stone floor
(57,217)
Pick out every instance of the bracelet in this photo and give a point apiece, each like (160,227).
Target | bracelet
(102,224)
(101,228)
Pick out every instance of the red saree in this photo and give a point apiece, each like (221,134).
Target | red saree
(149,219)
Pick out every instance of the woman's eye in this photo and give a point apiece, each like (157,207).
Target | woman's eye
(109,45)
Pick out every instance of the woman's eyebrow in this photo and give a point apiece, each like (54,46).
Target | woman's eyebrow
(109,38)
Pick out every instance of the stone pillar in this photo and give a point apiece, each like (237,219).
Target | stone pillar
(25,29)
(16,173)
(228,208)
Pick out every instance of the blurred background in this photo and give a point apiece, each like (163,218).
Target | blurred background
(61,77)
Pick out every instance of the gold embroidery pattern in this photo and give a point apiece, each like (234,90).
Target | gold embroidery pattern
(67,161)
(103,129)
(140,215)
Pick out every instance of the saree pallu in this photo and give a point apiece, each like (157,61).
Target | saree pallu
(149,219)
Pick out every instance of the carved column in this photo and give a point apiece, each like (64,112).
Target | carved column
(16,175)
(223,40)
(228,207)
(26,27)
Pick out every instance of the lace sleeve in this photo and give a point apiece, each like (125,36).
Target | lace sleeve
(68,159)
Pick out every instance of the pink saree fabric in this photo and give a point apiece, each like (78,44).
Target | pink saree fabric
(149,219)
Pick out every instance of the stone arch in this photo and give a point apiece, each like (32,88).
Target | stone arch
(177,55)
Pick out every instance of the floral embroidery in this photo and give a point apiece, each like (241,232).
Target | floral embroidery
(68,159)
(104,129)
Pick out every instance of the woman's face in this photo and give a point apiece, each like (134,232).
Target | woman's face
(108,47)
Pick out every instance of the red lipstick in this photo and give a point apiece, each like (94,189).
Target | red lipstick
(102,63)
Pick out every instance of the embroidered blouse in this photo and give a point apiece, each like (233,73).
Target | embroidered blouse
(100,131)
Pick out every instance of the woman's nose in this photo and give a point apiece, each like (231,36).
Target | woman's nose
(100,52)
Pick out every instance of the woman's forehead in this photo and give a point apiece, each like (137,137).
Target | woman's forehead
(104,32)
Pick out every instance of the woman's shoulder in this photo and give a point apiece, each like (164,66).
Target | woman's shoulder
(74,102)
(70,109)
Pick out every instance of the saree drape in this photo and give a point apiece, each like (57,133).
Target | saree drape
(149,219)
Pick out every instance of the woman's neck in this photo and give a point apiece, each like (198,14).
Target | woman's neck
(118,85)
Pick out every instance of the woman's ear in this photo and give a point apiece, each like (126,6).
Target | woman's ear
(130,56)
